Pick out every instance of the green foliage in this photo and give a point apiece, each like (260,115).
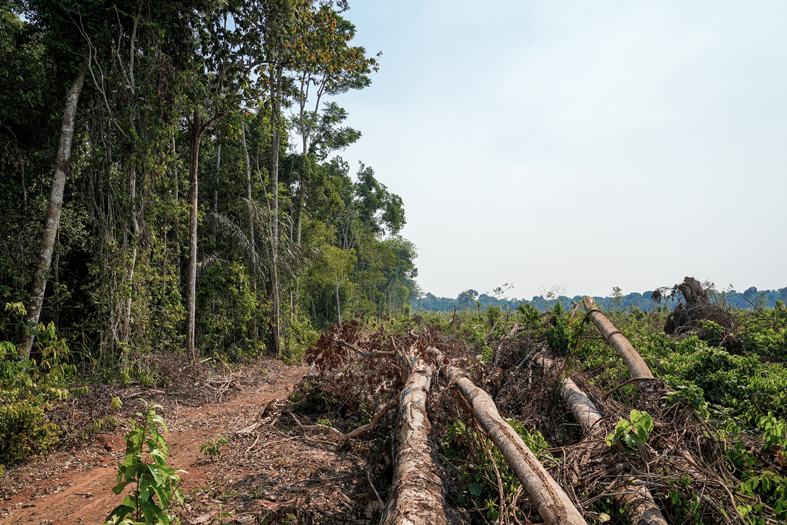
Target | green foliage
(690,396)
(154,483)
(479,457)
(628,433)
(226,306)
(566,331)
(212,446)
(300,337)
(767,487)
(27,389)
(530,314)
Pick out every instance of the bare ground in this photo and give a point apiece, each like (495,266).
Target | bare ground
(266,473)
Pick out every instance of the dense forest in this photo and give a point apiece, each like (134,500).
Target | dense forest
(171,178)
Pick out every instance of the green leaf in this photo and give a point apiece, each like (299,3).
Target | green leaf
(475,488)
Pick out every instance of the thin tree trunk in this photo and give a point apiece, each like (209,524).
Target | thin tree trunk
(275,321)
(191,308)
(132,187)
(416,496)
(216,189)
(248,181)
(552,503)
(251,216)
(53,218)
(338,304)
(177,199)
(634,362)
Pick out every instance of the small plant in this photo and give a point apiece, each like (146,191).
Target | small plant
(116,403)
(628,433)
(325,422)
(151,479)
(219,520)
(212,446)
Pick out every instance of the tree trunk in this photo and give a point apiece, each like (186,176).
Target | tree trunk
(198,130)
(248,181)
(53,218)
(132,188)
(251,216)
(416,496)
(338,304)
(634,362)
(639,505)
(216,189)
(552,503)
(275,321)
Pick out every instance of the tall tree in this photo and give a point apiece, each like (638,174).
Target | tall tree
(53,216)
(324,61)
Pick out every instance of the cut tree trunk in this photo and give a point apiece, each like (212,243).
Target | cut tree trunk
(639,503)
(552,502)
(416,496)
(44,262)
(634,362)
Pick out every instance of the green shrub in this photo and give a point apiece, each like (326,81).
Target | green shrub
(28,387)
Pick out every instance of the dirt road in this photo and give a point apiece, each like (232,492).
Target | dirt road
(271,469)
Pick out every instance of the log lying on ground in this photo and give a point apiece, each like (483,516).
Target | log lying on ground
(552,503)
(638,503)
(634,362)
(417,492)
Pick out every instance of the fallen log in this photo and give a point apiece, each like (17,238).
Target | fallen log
(637,500)
(416,496)
(634,361)
(552,503)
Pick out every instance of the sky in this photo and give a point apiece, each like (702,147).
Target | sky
(579,146)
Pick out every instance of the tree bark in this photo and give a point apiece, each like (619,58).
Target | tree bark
(634,362)
(416,496)
(338,304)
(132,188)
(275,321)
(552,503)
(198,130)
(216,189)
(53,218)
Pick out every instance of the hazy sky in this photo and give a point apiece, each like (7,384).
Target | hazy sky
(580,144)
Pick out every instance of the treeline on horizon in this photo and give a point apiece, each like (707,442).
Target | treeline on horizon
(729,297)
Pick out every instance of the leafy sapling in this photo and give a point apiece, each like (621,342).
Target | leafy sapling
(628,433)
(155,483)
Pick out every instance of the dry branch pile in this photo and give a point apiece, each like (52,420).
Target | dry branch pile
(677,474)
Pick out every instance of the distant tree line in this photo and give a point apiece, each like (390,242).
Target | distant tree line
(729,297)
